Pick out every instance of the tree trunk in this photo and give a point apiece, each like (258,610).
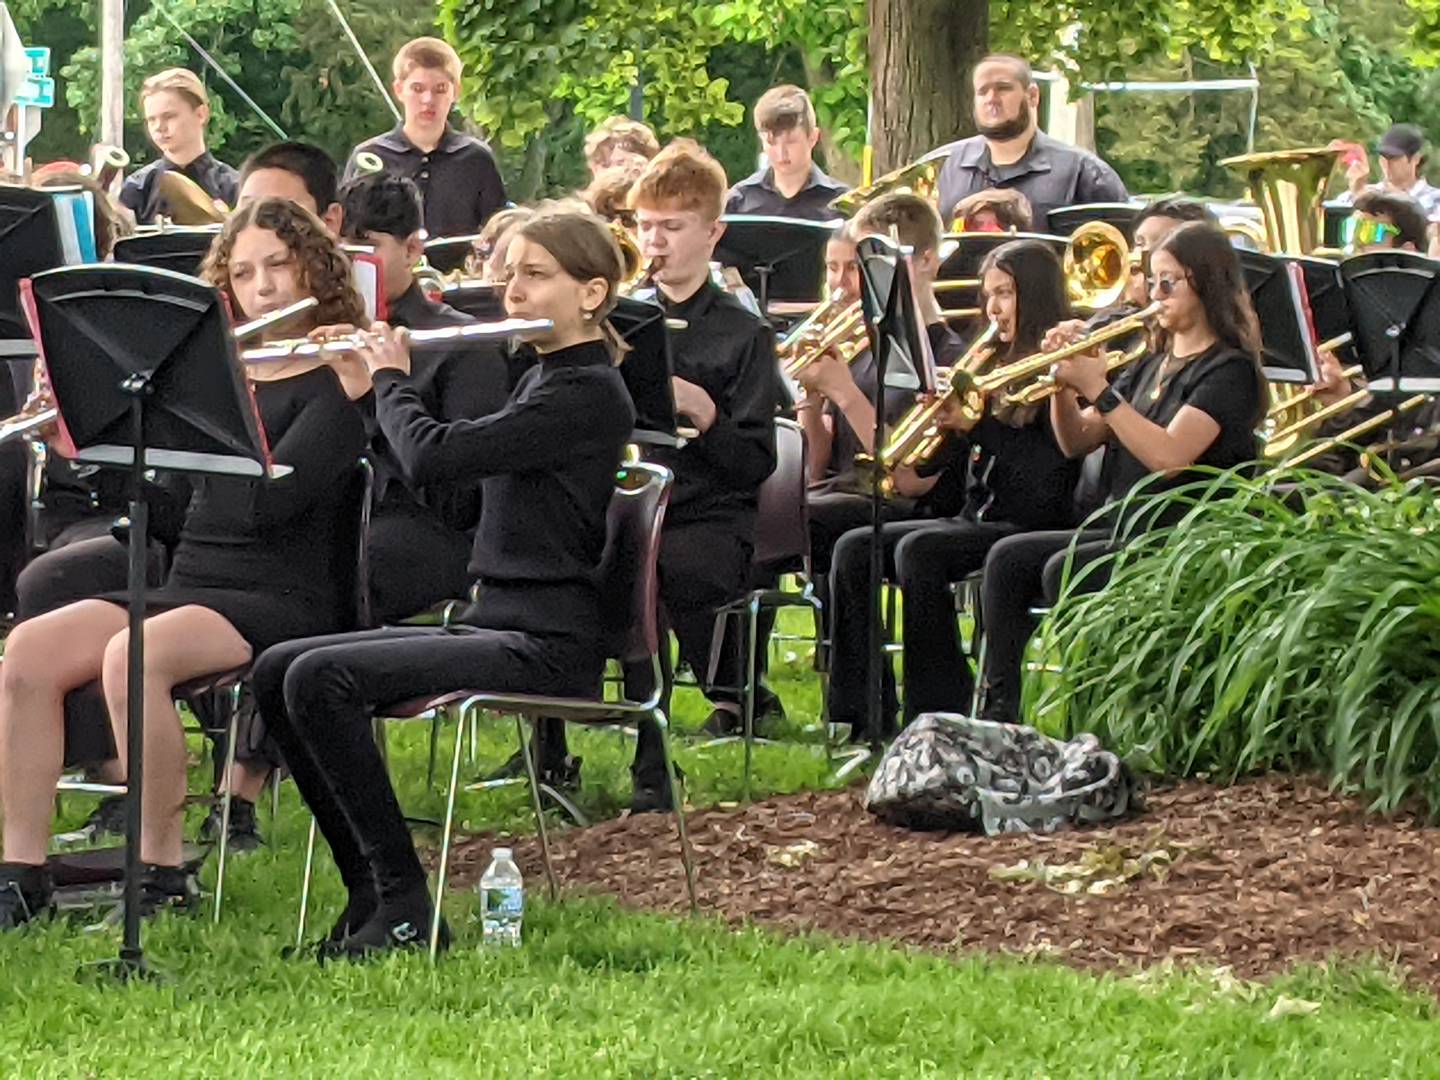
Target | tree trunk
(921,56)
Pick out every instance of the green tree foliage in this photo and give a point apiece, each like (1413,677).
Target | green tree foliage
(289,55)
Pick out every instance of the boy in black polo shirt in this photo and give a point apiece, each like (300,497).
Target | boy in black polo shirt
(459,183)
(176,109)
(792,185)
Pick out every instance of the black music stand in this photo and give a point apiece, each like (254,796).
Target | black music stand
(1277,291)
(903,359)
(1394,300)
(779,258)
(957,281)
(30,242)
(447,253)
(647,369)
(1335,215)
(180,250)
(145,374)
(480,300)
(1065,220)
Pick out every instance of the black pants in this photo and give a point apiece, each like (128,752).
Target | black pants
(832,515)
(84,560)
(317,696)
(416,562)
(1021,571)
(922,558)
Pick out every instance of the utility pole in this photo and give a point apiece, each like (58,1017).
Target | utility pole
(112,72)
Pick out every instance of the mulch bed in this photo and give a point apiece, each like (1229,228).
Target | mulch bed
(1263,875)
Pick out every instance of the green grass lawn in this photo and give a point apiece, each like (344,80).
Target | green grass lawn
(597,992)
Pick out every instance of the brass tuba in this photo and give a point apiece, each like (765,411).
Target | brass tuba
(921,177)
(188,203)
(1289,187)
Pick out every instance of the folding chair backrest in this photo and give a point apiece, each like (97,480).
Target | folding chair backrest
(630,579)
(352,545)
(782,525)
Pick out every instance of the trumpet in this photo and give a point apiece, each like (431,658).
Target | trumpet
(1035,369)
(918,433)
(836,326)
(440,338)
(1045,387)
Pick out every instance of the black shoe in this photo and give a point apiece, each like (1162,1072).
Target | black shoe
(396,926)
(358,911)
(562,775)
(244,834)
(651,791)
(167,888)
(722,723)
(729,720)
(25,894)
(107,818)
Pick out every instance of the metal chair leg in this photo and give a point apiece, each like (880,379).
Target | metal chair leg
(977,693)
(748,692)
(678,801)
(528,753)
(274,796)
(225,800)
(472,714)
(436,719)
(305,884)
(443,871)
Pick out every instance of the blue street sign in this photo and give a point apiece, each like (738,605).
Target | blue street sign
(37,92)
(39,57)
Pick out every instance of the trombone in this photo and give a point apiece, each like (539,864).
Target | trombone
(1364,427)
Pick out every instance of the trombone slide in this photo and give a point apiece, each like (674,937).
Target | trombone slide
(1350,434)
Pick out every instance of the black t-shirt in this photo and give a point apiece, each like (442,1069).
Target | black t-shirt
(1222,382)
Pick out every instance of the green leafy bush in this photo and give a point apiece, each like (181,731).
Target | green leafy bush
(1277,625)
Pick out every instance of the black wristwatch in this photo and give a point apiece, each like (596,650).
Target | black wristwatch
(1108,401)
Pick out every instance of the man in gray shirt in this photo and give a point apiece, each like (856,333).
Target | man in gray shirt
(1011,151)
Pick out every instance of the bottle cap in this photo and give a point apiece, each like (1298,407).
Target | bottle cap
(501,853)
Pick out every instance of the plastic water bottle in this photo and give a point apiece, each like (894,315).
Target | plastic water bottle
(502,900)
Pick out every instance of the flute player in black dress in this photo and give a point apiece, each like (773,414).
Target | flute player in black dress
(251,569)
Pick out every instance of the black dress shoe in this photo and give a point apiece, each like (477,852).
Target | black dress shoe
(25,894)
(562,775)
(651,792)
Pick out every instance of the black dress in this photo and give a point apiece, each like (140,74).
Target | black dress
(263,553)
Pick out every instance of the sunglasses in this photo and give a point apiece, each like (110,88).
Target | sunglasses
(1165,286)
(1362,232)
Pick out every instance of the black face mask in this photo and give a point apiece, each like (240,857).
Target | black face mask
(1007,129)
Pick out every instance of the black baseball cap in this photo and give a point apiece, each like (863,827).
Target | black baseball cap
(1402,140)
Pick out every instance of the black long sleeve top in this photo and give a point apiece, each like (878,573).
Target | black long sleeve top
(463,383)
(728,352)
(546,461)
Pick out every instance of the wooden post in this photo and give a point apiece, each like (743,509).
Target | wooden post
(112,73)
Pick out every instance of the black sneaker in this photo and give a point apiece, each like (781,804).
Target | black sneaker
(244,834)
(563,775)
(725,720)
(108,818)
(397,926)
(25,894)
(167,888)
(722,723)
(651,791)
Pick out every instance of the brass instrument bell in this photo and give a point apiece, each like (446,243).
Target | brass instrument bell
(1289,187)
(921,177)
